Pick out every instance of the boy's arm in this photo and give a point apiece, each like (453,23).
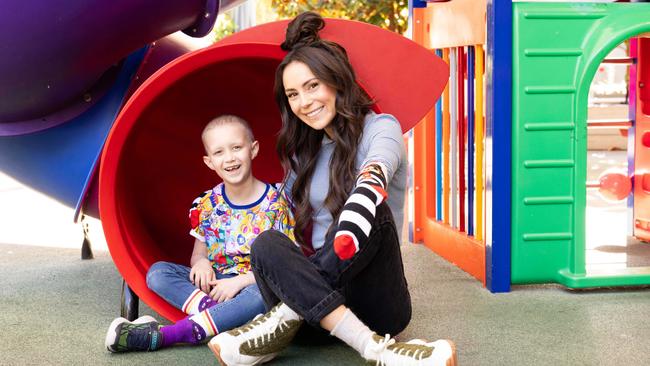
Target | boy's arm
(201,273)
(227,288)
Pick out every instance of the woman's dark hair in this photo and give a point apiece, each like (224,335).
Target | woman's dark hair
(298,144)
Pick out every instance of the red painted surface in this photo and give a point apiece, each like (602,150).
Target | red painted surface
(403,77)
(462,135)
(642,145)
(615,186)
(151,167)
(457,247)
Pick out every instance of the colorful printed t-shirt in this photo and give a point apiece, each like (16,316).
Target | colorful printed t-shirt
(228,230)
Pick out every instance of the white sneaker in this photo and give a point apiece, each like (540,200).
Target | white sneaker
(258,341)
(387,352)
(142,334)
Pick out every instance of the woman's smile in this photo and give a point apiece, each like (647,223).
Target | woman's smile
(313,101)
(315,112)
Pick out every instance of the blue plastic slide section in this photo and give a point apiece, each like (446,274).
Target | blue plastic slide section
(470,141)
(60,161)
(498,138)
(439,154)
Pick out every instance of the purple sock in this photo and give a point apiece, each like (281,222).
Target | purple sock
(184,331)
(206,303)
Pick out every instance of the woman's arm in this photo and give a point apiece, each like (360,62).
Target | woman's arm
(383,142)
(385,150)
(359,210)
(285,188)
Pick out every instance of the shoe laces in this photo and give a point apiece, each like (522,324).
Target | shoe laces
(139,336)
(264,328)
(389,352)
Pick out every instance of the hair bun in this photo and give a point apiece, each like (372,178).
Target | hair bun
(303,31)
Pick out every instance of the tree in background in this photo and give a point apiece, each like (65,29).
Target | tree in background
(223,27)
(391,15)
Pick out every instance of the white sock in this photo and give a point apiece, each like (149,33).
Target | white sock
(197,302)
(352,331)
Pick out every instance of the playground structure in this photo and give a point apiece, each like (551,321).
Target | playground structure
(499,174)
(167,113)
(448,134)
(531,153)
(125,151)
(61,88)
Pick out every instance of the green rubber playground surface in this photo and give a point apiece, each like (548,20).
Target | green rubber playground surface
(56,308)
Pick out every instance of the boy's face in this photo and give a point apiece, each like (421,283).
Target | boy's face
(230,153)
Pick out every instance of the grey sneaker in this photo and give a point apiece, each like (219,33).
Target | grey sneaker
(142,334)
(258,341)
(387,352)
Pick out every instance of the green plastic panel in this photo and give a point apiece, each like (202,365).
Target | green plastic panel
(557,50)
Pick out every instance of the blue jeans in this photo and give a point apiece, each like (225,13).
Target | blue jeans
(171,281)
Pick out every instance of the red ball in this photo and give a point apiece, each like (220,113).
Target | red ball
(615,186)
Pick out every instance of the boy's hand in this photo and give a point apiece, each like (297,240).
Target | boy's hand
(201,274)
(227,288)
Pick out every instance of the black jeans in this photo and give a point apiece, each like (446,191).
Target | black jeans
(371,284)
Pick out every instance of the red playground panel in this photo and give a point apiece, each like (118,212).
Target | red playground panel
(641,219)
(152,169)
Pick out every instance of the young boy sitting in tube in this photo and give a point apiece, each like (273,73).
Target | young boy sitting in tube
(218,292)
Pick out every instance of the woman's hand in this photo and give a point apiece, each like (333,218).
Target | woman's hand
(202,274)
(355,220)
(227,288)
